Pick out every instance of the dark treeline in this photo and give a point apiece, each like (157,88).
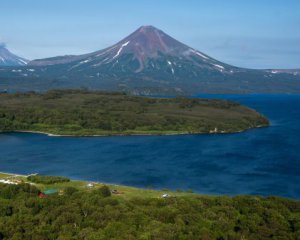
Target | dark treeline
(96,215)
(79,112)
(47,179)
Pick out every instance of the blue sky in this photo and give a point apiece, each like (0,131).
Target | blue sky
(254,34)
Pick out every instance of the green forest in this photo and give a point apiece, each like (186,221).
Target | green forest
(79,112)
(95,214)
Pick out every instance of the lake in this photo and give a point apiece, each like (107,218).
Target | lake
(262,161)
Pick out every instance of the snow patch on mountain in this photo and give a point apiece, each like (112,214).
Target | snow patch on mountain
(85,61)
(121,48)
(198,53)
(22,61)
(219,66)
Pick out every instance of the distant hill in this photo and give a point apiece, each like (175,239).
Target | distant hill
(9,59)
(148,62)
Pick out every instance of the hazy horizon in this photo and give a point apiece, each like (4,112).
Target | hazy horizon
(252,34)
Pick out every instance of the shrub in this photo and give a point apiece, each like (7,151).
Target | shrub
(47,179)
(104,191)
(70,190)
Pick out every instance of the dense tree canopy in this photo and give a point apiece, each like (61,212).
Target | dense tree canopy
(75,112)
(97,215)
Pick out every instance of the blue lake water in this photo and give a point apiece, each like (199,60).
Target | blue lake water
(262,161)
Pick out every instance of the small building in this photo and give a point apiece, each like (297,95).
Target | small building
(47,192)
(90,185)
(50,191)
(165,195)
(41,195)
(115,191)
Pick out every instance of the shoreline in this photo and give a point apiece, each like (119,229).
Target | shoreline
(145,189)
(10,174)
(111,184)
(13,174)
(136,134)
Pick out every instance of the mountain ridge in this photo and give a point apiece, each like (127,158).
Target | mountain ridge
(148,62)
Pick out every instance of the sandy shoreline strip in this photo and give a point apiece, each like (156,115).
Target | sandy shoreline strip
(136,134)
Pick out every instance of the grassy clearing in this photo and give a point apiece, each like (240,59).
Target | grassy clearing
(125,192)
(4,175)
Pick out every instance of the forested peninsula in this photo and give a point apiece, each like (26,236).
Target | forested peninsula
(89,113)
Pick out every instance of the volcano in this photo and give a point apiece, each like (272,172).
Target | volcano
(149,61)
(9,59)
(146,48)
